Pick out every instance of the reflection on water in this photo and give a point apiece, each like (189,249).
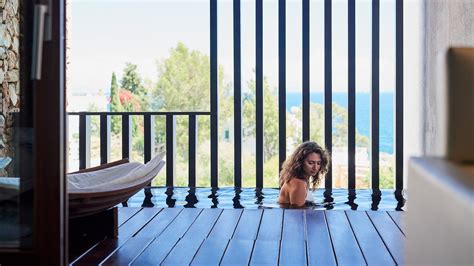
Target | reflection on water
(251,198)
(351,199)
(376,198)
(191,198)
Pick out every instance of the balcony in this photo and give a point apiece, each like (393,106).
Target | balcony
(241,212)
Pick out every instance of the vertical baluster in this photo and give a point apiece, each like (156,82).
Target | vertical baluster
(306,71)
(214,96)
(192,134)
(104,139)
(352,94)
(170,149)
(237,99)
(149,150)
(281,81)
(149,135)
(84,141)
(127,126)
(375,102)
(259,93)
(399,104)
(126,136)
(328,91)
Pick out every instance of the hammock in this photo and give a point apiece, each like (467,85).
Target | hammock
(94,191)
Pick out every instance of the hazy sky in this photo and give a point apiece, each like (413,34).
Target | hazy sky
(106,34)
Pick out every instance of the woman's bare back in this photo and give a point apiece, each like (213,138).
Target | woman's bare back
(293,192)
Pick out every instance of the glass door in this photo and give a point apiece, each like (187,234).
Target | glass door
(32,194)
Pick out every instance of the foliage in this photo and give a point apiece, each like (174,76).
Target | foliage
(115,104)
(131,80)
(183,85)
(270,114)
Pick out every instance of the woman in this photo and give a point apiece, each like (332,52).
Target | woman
(307,165)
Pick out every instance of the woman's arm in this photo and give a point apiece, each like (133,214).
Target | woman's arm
(297,192)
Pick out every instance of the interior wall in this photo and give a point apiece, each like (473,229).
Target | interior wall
(446,24)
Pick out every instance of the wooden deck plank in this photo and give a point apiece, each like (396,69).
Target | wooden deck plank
(181,223)
(319,246)
(344,243)
(238,252)
(225,225)
(159,223)
(99,252)
(265,252)
(390,233)
(293,225)
(210,252)
(248,225)
(292,251)
(183,253)
(286,237)
(125,213)
(128,251)
(399,218)
(107,246)
(135,223)
(156,252)
(371,244)
(271,224)
(203,224)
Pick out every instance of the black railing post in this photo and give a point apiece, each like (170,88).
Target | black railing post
(104,139)
(375,92)
(84,141)
(214,96)
(399,93)
(281,81)
(149,151)
(237,99)
(328,89)
(126,136)
(375,102)
(193,136)
(170,149)
(399,104)
(352,95)
(259,93)
(149,137)
(306,71)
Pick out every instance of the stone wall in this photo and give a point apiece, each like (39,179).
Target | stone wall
(446,24)
(9,73)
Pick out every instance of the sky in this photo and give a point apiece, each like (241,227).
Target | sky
(106,34)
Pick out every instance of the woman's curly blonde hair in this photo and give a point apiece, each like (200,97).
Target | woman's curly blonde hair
(293,166)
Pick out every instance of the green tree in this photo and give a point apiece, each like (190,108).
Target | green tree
(131,79)
(183,85)
(115,105)
(270,114)
(184,81)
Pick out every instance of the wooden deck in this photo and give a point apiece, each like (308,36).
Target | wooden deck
(172,236)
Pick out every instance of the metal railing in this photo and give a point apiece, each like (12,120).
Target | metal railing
(328,66)
(149,139)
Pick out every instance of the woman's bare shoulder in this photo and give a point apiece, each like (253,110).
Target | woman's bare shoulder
(296,183)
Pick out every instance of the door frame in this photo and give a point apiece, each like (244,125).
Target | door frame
(50,226)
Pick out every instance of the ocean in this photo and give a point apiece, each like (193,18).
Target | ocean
(386,120)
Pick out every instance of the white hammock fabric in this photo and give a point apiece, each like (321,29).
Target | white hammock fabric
(120,174)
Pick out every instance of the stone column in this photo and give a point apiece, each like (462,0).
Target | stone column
(9,74)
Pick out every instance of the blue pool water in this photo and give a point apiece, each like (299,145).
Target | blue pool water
(230,197)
